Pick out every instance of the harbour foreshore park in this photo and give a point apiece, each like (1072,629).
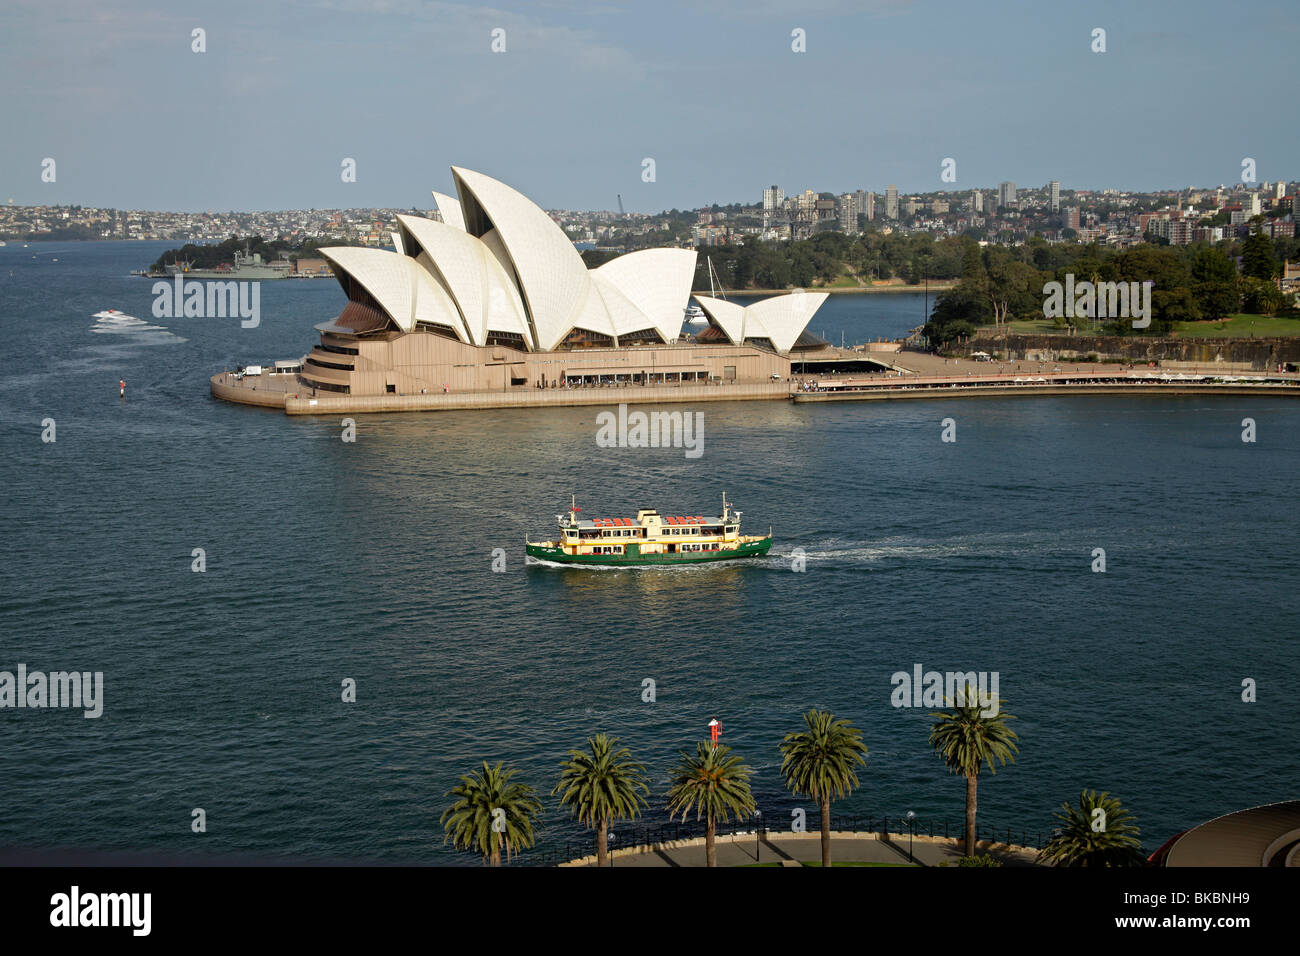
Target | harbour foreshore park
(491,305)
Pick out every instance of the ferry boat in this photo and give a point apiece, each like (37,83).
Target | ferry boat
(651,538)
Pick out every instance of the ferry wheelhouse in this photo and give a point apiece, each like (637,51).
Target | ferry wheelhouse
(650,538)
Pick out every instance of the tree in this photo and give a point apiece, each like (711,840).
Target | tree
(491,813)
(820,762)
(1014,288)
(974,274)
(601,785)
(967,738)
(1214,283)
(956,314)
(1261,297)
(714,784)
(1099,832)
(1257,260)
(1171,297)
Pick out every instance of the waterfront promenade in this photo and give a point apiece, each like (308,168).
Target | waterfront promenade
(907,375)
(795,849)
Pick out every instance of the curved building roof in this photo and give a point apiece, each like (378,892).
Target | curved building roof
(657,282)
(480,288)
(727,316)
(449,209)
(497,263)
(1260,836)
(780,319)
(403,289)
(552,277)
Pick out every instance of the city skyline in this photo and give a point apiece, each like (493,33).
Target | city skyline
(280,98)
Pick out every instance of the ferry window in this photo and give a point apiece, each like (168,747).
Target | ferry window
(619,549)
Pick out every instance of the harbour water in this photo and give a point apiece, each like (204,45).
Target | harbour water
(373,561)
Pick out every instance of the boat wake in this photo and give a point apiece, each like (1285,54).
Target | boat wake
(837,551)
(113,322)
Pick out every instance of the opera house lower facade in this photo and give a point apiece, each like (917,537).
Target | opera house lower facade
(495,298)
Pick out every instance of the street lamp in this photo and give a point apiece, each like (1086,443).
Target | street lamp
(758,833)
(911,829)
(611,836)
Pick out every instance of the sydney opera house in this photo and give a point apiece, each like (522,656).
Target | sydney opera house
(495,297)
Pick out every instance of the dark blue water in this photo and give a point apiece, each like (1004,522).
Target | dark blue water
(372,561)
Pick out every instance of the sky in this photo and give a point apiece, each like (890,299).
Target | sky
(712,91)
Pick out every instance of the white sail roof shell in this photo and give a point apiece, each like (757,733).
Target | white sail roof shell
(783,317)
(552,277)
(624,316)
(450,210)
(403,289)
(657,282)
(727,316)
(780,319)
(473,276)
(499,263)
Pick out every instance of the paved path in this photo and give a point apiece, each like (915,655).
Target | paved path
(745,850)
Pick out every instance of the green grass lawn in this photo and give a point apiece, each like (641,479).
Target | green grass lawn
(1240,326)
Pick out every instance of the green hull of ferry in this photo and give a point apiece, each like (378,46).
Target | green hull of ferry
(633,556)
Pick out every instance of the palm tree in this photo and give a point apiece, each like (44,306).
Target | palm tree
(602,786)
(714,785)
(491,812)
(819,762)
(967,738)
(1089,838)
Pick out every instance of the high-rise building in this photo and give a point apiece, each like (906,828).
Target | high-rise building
(1280,189)
(847,210)
(1054,196)
(1250,203)
(891,202)
(976,201)
(869,207)
(1072,218)
(773,204)
(1006,194)
(860,197)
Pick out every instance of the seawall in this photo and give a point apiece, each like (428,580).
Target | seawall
(294,400)
(1260,354)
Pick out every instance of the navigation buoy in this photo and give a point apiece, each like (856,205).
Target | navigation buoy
(121,387)
(715,730)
